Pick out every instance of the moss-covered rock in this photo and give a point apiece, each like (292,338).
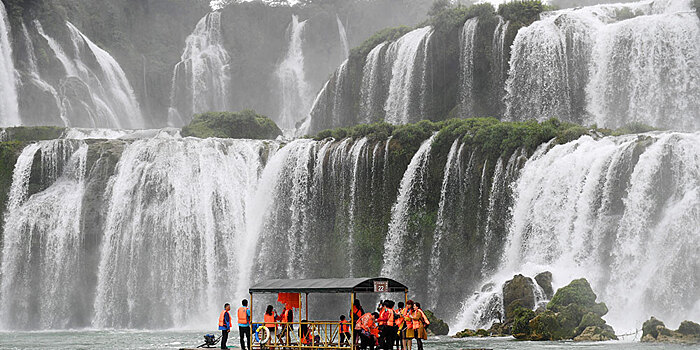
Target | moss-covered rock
(578,292)
(653,330)
(245,124)
(521,322)
(518,293)
(594,333)
(32,133)
(544,326)
(466,333)
(437,326)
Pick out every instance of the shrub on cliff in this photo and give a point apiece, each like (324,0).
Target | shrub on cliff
(245,124)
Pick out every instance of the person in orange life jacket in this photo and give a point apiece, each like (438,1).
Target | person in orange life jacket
(306,337)
(344,330)
(357,312)
(286,316)
(244,324)
(269,319)
(225,324)
(420,324)
(387,325)
(408,322)
(400,326)
(367,328)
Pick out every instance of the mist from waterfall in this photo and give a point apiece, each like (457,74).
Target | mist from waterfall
(202,78)
(9,109)
(294,89)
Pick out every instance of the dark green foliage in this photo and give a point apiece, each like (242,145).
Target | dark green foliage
(387,34)
(522,12)
(245,124)
(588,320)
(437,326)
(34,133)
(521,322)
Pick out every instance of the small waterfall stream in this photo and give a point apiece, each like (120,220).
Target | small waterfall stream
(294,89)
(9,110)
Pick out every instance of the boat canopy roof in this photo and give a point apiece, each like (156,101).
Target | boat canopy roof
(329,285)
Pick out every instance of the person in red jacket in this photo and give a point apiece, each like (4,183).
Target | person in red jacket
(367,328)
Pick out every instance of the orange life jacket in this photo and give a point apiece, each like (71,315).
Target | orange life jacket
(242,315)
(344,327)
(269,320)
(419,317)
(407,318)
(398,320)
(286,316)
(222,323)
(366,322)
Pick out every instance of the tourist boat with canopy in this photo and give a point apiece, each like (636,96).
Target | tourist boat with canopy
(326,334)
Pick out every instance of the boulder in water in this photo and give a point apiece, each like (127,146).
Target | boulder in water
(437,326)
(518,292)
(241,125)
(653,330)
(544,280)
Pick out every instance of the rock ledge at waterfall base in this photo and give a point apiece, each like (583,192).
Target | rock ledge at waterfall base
(654,330)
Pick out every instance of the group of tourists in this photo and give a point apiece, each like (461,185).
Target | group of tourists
(390,327)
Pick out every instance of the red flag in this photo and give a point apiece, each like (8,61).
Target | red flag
(289,299)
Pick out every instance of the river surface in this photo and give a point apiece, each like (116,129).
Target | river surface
(175,339)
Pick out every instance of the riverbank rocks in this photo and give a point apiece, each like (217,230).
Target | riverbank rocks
(571,314)
(518,293)
(654,330)
(437,326)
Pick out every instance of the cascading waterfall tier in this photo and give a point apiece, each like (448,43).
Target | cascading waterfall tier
(202,78)
(609,64)
(620,211)
(9,109)
(294,89)
(406,98)
(92,94)
(466,61)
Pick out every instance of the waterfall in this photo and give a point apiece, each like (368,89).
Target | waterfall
(38,81)
(343,36)
(498,63)
(645,70)
(294,89)
(466,60)
(202,77)
(42,242)
(399,258)
(407,86)
(610,65)
(371,91)
(93,96)
(9,109)
(620,211)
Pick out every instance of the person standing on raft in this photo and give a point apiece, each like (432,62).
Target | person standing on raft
(225,324)
(244,324)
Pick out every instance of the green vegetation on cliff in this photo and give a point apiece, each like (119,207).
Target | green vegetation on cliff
(33,133)
(245,124)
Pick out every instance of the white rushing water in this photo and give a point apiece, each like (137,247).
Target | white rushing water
(93,95)
(409,55)
(610,65)
(396,263)
(371,102)
(466,60)
(294,89)
(620,211)
(202,78)
(343,36)
(9,109)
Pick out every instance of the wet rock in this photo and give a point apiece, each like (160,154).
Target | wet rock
(594,333)
(437,326)
(521,322)
(465,333)
(544,280)
(518,292)
(653,330)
